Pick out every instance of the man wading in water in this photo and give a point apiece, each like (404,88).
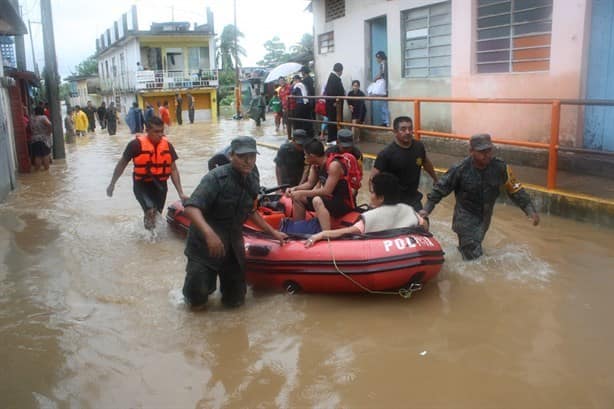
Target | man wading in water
(154,161)
(218,207)
(476,182)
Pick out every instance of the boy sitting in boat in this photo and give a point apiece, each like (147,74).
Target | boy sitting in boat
(326,191)
(388,212)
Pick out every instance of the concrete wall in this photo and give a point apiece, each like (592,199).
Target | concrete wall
(83,95)
(204,108)
(433,116)
(166,43)
(7,146)
(131,52)
(352,49)
(564,79)
(523,122)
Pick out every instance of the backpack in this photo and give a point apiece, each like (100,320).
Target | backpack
(321,106)
(353,171)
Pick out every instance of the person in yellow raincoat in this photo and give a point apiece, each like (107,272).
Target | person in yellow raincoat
(80,120)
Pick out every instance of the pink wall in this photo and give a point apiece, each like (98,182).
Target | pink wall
(521,122)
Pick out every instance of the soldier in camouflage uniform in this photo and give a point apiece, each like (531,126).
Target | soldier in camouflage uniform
(219,206)
(476,183)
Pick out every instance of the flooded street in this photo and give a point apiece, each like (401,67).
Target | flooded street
(91,312)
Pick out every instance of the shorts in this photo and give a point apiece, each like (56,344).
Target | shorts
(150,195)
(336,206)
(39,149)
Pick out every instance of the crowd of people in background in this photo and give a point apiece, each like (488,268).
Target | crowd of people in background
(295,107)
(79,121)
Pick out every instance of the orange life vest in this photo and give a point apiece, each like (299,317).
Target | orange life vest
(153,161)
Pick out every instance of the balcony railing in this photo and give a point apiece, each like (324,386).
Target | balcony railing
(159,79)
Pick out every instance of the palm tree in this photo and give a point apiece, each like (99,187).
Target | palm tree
(227,54)
(302,52)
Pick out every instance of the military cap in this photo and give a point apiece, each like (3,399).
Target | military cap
(243,144)
(480,142)
(345,138)
(300,136)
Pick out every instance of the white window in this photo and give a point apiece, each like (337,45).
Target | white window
(427,35)
(513,35)
(326,43)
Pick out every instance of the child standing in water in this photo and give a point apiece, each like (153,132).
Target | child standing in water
(275,105)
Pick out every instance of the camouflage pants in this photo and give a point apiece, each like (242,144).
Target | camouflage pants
(470,232)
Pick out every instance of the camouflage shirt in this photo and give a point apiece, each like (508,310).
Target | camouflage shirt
(476,191)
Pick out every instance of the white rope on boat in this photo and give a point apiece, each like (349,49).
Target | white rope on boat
(403,292)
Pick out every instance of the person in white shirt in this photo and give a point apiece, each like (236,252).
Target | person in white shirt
(388,212)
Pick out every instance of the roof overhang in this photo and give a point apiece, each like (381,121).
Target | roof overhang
(27,76)
(10,21)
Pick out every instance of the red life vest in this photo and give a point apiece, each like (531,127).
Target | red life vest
(153,161)
(352,174)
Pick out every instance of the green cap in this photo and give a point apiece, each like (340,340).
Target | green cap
(243,144)
(480,142)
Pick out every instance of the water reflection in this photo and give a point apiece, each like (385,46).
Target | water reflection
(91,313)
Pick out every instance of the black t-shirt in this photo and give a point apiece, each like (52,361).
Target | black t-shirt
(404,163)
(291,162)
(133,149)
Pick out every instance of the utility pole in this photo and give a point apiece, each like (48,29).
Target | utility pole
(52,79)
(237,81)
(32,48)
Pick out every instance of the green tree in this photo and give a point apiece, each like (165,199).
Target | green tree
(275,53)
(87,67)
(227,86)
(226,78)
(65,91)
(227,53)
(302,52)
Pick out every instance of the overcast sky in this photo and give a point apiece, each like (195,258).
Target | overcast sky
(77,23)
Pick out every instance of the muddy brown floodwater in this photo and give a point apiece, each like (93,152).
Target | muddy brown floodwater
(91,313)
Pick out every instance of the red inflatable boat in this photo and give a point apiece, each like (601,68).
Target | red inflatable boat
(398,261)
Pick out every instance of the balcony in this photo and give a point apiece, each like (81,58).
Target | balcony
(160,80)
